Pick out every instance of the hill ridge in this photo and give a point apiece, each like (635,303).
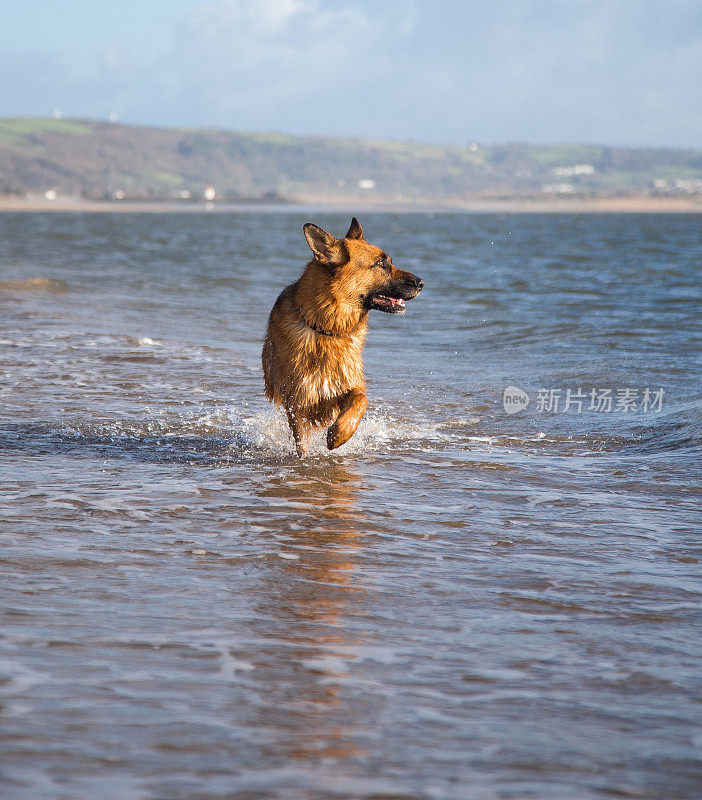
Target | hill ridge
(104,160)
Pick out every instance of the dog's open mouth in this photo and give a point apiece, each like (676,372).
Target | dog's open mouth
(391,305)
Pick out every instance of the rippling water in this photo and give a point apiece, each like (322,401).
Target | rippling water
(459,604)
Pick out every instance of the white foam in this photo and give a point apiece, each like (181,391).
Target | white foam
(16,679)
(269,431)
(265,432)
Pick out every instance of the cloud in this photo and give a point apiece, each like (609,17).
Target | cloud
(525,69)
(260,61)
(116,60)
(539,70)
(491,70)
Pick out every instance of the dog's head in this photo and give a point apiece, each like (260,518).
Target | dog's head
(361,273)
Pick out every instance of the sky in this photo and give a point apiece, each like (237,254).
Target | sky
(622,72)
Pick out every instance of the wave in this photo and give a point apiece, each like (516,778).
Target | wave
(231,434)
(217,436)
(38,284)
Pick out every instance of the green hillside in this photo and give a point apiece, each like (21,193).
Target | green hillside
(100,159)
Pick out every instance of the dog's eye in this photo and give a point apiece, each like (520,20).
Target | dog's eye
(381,263)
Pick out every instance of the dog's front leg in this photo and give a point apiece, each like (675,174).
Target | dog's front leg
(300,430)
(351,410)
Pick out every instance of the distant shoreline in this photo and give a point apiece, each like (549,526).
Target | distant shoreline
(634,204)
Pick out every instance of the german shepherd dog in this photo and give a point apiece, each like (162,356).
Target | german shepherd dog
(312,353)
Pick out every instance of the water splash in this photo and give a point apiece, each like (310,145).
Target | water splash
(232,433)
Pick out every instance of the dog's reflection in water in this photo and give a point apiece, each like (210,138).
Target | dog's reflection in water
(310,611)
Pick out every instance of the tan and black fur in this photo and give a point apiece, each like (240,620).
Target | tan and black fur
(312,353)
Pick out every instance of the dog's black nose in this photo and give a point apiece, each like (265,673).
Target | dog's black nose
(419,283)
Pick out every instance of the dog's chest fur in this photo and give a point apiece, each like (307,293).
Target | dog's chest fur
(328,366)
(305,369)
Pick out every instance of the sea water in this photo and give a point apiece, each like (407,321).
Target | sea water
(461,603)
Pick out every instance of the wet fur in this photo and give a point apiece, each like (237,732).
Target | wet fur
(313,351)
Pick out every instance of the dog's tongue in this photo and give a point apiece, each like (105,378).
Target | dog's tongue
(388,302)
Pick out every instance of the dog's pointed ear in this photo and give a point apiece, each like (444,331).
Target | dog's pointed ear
(327,249)
(355,231)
